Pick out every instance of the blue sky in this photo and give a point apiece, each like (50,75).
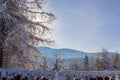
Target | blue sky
(86,25)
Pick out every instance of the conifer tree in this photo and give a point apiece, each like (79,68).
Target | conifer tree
(23,26)
(86,63)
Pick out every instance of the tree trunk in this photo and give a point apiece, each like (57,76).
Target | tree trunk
(2,38)
(1,57)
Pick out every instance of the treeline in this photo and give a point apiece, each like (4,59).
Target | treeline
(100,63)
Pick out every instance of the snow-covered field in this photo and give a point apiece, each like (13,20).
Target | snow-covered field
(52,75)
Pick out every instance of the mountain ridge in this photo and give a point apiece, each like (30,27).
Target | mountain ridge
(67,53)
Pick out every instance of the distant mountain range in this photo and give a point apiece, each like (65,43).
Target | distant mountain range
(67,53)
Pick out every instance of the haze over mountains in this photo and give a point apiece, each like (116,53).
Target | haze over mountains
(67,53)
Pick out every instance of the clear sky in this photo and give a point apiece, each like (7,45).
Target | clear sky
(86,25)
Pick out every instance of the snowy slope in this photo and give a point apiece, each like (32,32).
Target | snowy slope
(67,53)
(52,75)
(64,53)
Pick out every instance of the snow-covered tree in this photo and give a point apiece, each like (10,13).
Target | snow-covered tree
(92,62)
(103,62)
(58,64)
(75,64)
(105,59)
(116,62)
(24,25)
(44,62)
(98,64)
(86,65)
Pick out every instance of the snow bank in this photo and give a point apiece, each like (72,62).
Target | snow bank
(10,72)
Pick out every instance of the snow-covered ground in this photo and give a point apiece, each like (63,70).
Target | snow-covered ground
(52,75)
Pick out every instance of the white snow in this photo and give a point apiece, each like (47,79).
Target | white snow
(56,75)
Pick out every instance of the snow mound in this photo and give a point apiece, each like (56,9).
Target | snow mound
(9,73)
